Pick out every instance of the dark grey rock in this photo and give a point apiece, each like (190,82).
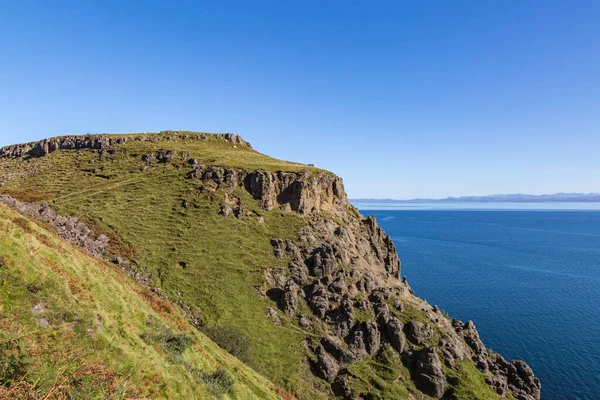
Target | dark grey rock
(428,373)
(344,318)
(299,272)
(470,335)
(365,339)
(318,300)
(289,299)
(336,348)
(394,329)
(325,366)
(418,332)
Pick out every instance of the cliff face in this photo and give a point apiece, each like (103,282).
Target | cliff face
(343,264)
(97,142)
(302,192)
(338,278)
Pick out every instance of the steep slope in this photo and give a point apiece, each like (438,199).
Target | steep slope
(269,250)
(72,326)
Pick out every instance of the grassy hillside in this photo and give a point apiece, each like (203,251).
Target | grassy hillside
(72,326)
(225,257)
(153,212)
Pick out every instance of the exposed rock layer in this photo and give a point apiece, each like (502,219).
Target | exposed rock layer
(69,228)
(100,142)
(303,192)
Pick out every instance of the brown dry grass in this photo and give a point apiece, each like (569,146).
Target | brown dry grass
(28,195)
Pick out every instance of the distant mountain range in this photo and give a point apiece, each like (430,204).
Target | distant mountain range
(501,198)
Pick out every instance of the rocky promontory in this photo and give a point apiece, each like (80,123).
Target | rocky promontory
(337,279)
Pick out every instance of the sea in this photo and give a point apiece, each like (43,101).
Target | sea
(527,275)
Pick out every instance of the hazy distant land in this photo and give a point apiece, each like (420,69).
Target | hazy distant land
(501,198)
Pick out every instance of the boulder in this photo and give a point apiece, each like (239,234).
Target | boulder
(240,212)
(453,349)
(303,321)
(289,299)
(323,261)
(335,347)
(470,335)
(341,386)
(382,313)
(399,305)
(225,210)
(395,333)
(518,376)
(428,373)
(273,316)
(365,339)
(499,383)
(299,272)
(318,300)
(325,367)
(344,318)
(418,332)
(338,286)
(278,247)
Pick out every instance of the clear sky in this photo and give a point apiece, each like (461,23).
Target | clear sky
(402,99)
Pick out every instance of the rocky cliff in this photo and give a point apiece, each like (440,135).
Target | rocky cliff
(100,142)
(338,279)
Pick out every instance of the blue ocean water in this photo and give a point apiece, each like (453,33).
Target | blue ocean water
(529,279)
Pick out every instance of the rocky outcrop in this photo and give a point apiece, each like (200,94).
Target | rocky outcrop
(325,366)
(428,373)
(103,142)
(305,193)
(340,257)
(348,266)
(289,299)
(515,376)
(470,335)
(418,332)
(47,146)
(394,330)
(68,228)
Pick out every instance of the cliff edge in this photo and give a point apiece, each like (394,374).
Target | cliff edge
(265,248)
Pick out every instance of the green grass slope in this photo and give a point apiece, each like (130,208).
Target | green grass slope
(74,327)
(225,257)
(195,255)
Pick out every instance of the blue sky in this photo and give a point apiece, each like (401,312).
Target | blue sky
(402,99)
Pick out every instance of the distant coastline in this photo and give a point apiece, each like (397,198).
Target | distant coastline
(500,198)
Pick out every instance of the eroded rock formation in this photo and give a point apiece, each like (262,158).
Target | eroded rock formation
(100,142)
(69,228)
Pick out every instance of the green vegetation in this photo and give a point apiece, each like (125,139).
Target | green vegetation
(218,383)
(215,151)
(213,263)
(384,377)
(231,340)
(409,313)
(225,258)
(469,383)
(74,327)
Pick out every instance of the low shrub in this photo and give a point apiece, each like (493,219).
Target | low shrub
(218,383)
(14,362)
(231,340)
(175,344)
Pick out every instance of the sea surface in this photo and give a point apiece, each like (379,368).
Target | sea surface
(528,278)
